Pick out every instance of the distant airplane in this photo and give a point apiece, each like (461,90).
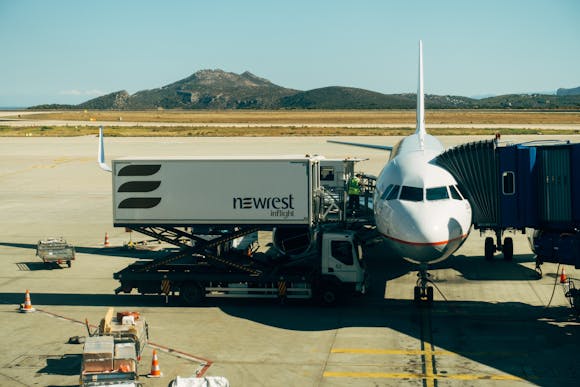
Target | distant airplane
(418,207)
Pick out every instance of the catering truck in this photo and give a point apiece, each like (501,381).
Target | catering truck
(204,205)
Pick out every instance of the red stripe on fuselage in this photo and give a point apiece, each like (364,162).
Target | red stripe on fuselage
(424,243)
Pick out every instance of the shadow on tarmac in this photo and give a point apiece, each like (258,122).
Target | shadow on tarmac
(470,268)
(536,344)
(68,365)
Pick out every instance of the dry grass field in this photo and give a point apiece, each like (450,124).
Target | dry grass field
(324,116)
(274,131)
(285,123)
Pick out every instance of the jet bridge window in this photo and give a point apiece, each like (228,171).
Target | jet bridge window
(412,194)
(437,193)
(508,180)
(342,251)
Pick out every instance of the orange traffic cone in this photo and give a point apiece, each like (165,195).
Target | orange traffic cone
(155,371)
(27,306)
(563,277)
(107,244)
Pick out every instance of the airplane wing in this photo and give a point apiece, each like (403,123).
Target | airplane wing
(372,146)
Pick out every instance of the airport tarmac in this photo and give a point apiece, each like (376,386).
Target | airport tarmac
(492,327)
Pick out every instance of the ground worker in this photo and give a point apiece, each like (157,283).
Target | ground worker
(354,188)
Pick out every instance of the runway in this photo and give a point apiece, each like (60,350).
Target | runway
(490,326)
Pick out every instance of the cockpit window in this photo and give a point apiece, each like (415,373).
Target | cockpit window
(386,192)
(437,193)
(461,191)
(394,193)
(412,194)
(455,193)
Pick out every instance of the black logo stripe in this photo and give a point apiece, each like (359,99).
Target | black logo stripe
(139,203)
(139,186)
(139,170)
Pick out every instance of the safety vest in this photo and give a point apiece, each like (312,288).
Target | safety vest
(354,186)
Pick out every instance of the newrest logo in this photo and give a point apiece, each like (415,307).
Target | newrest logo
(266,203)
(279,206)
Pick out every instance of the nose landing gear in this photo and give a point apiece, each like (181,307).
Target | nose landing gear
(423,293)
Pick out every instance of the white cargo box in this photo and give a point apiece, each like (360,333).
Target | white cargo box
(215,190)
(98,354)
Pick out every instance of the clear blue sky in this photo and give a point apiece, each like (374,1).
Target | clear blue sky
(70,51)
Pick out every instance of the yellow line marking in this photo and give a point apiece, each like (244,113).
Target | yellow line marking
(427,357)
(428,376)
(371,351)
(377,351)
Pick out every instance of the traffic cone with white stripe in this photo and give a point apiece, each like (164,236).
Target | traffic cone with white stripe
(563,277)
(107,243)
(155,371)
(27,306)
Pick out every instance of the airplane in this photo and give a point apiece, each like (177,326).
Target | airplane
(418,206)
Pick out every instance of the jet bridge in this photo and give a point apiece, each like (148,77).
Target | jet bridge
(533,187)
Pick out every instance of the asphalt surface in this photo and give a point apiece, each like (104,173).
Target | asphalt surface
(495,323)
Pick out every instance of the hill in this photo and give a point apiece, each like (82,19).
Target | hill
(206,89)
(573,91)
(337,97)
(530,101)
(217,89)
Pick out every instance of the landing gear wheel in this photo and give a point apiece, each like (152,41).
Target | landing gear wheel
(430,294)
(191,294)
(69,263)
(508,249)
(417,294)
(489,248)
(423,297)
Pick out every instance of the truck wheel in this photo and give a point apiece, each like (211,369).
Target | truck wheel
(489,248)
(328,297)
(69,263)
(508,249)
(191,294)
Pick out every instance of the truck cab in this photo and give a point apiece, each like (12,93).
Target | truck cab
(342,265)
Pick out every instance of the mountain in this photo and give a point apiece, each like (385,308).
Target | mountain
(117,101)
(206,89)
(573,91)
(337,97)
(217,89)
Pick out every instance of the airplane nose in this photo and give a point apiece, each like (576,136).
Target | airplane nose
(431,234)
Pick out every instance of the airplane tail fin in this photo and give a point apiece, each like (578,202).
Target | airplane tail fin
(101,153)
(420,99)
